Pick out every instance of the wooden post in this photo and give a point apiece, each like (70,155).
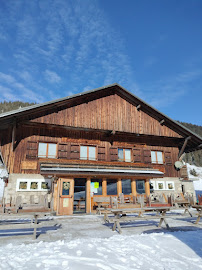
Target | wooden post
(147,187)
(133,187)
(104,186)
(88,198)
(119,186)
(35,226)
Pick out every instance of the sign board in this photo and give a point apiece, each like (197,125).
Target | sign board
(65,202)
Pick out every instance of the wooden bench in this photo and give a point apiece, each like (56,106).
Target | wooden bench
(199,209)
(104,202)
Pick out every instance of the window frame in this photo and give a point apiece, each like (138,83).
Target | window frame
(87,158)
(47,149)
(156,155)
(124,156)
(170,182)
(29,181)
(160,182)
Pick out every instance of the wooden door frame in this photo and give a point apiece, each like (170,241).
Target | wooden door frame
(60,196)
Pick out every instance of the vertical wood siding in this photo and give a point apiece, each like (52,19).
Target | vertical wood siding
(109,113)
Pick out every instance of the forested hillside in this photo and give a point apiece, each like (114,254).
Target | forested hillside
(10,106)
(194,158)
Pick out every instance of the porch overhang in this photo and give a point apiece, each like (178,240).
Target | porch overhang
(99,170)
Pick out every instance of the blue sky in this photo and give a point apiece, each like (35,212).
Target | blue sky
(55,48)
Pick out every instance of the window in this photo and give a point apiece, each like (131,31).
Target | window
(170,185)
(111,187)
(47,150)
(96,187)
(160,185)
(33,184)
(157,157)
(140,186)
(124,155)
(126,186)
(88,152)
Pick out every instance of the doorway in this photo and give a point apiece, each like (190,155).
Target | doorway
(79,195)
(65,198)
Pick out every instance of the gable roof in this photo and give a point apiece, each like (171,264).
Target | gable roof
(194,143)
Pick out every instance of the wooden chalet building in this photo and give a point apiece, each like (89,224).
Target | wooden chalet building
(98,143)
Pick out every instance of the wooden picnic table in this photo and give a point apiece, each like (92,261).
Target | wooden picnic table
(120,215)
(199,209)
(185,205)
(24,225)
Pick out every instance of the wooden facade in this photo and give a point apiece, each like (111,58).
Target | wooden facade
(107,119)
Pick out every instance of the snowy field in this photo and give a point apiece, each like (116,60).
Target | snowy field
(84,242)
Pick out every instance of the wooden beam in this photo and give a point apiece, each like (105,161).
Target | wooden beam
(13,135)
(162,122)
(104,186)
(147,187)
(184,145)
(119,186)
(88,197)
(133,187)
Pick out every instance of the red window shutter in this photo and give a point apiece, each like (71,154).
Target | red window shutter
(32,150)
(75,151)
(101,153)
(113,151)
(147,156)
(137,155)
(64,150)
(168,159)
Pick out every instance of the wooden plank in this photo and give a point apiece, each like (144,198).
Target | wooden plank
(29,165)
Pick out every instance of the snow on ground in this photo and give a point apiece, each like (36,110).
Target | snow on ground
(1,188)
(197,180)
(84,242)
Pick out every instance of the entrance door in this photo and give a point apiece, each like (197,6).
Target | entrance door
(140,186)
(66,196)
(79,195)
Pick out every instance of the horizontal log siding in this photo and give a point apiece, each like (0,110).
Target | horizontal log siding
(25,135)
(109,113)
